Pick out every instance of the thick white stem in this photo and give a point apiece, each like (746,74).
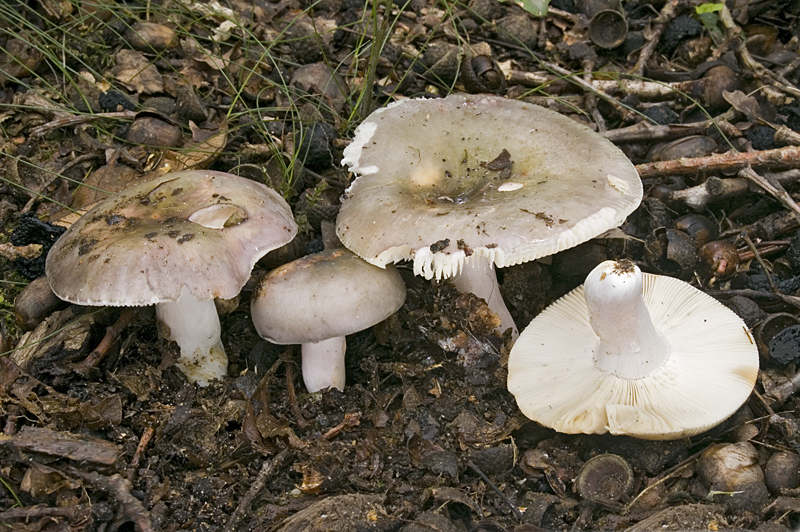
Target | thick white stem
(478,277)
(629,345)
(323,364)
(194,326)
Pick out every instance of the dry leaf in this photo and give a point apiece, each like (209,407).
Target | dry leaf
(136,73)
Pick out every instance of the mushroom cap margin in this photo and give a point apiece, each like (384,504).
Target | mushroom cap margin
(198,228)
(571,184)
(710,372)
(324,295)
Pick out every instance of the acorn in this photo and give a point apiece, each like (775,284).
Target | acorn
(725,467)
(718,80)
(671,252)
(151,129)
(480,72)
(782,472)
(661,193)
(606,478)
(689,147)
(35,303)
(718,259)
(150,37)
(699,227)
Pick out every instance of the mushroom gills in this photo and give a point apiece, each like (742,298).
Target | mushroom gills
(686,364)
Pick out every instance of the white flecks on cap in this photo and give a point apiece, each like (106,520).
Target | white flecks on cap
(201,229)
(432,197)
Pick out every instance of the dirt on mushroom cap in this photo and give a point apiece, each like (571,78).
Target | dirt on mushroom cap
(507,180)
(198,228)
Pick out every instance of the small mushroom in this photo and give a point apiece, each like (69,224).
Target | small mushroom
(462,184)
(631,353)
(319,299)
(177,242)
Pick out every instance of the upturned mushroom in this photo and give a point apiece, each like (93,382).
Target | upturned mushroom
(176,242)
(316,301)
(462,184)
(633,353)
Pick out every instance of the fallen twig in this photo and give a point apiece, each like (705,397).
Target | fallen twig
(784,391)
(73,120)
(760,260)
(768,227)
(147,435)
(12,252)
(773,187)
(112,333)
(502,495)
(350,421)
(644,131)
(717,189)
(267,469)
(667,13)
(757,294)
(660,479)
(787,157)
(734,34)
(33,512)
(644,90)
(289,368)
(119,487)
(764,248)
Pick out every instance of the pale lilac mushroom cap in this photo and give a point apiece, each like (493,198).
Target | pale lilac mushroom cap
(632,353)
(177,242)
(316,301)
(462,184)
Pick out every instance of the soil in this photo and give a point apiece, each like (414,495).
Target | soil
(425,435)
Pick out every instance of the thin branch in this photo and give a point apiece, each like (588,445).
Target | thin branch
(787,157)
(667,14)
(267,469)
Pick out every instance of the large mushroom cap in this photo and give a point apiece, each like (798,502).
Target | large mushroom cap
(324,295)
(197,228)
(444,179)
(709,371)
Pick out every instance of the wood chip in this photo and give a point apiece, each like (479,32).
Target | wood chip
(64,444)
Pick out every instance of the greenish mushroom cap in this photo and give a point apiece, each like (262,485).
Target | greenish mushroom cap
(198,228)
(441,181)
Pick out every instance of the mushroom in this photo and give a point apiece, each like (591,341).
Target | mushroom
(318,299)
(631,353)
(465,183)
(177,242)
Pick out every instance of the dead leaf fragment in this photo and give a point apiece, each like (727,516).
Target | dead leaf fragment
(136,73)
(65,444)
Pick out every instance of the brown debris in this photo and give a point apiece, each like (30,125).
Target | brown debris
(65,445)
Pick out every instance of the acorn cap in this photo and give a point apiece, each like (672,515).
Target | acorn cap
(197,228)
(325,295)
(441,180)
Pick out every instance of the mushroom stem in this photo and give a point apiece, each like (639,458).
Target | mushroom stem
(478,277)
(629,345)
(323,364)
(194,326)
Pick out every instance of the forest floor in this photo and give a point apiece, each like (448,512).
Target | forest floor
(96,95)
